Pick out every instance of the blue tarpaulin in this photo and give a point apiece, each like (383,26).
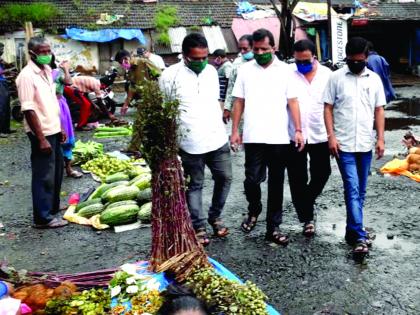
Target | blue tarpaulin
(164,282)
(105,35)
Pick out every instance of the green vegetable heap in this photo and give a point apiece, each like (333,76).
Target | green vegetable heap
(228,297)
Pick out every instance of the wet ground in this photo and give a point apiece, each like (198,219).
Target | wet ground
(308,277)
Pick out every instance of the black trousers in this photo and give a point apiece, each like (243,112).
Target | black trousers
(4,108)
(305,192)
(258,159)
(47,175)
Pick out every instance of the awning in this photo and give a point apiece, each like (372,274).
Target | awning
(242,27)
(105,35)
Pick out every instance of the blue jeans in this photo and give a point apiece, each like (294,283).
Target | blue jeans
(219,163)
(354,169)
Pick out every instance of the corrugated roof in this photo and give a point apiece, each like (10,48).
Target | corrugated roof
(136,14)
(392,11)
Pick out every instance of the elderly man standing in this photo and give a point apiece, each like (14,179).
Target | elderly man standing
(42,124)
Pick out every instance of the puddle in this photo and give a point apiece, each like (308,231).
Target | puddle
(381,241)
(401,123)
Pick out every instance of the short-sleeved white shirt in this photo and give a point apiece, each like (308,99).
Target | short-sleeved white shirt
(265,91)
(354,99)
(311,105)
(201,125)
(157,61)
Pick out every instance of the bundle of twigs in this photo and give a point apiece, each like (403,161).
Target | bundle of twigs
(83,280)
(172,231)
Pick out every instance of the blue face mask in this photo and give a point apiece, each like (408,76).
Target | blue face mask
(248,56)
(304,68)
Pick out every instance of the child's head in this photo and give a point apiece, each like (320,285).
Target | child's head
(179,301)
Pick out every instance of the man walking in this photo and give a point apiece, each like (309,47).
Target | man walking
(224,70)
(246,54)
(264,92)
(310,79)
(354,102)
(42,124)
(203,141)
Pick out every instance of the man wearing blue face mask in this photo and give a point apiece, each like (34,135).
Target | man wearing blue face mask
(246,55)
(310,78)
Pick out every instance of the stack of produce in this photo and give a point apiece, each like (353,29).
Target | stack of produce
(172,231)
(119,200)
(112,132)
(413,160)
(86,151)
(107,165)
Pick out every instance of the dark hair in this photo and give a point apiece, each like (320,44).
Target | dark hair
(304,44)
(356,45)
(219,53)
(261,34)
(247,37)
(370,46)
(193,40)
(177,299)
(121,54)
(52,63)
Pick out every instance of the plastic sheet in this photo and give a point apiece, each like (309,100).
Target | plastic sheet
(142,268)
(105,35)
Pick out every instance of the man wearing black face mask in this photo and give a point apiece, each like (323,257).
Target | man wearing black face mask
(354,102)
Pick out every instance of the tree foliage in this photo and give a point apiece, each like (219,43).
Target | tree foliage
(37,13)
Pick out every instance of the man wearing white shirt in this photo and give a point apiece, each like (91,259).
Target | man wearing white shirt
(153,58)
(203,139)
(311,78)
(264,92)
(354,103)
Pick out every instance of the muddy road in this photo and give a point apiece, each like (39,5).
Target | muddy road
(308,277)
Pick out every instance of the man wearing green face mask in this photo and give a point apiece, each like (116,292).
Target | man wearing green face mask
(40,107)
(265,94)
(204,140)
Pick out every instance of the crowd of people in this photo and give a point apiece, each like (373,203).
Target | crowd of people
(286,117)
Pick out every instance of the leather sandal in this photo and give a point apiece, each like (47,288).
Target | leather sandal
(219,229)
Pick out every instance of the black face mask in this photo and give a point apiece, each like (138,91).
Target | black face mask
(356,66)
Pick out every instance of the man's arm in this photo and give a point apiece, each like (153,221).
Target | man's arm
(65,65)
(329,125)
(295,115)
(380,131)
(238,109)
(35,125)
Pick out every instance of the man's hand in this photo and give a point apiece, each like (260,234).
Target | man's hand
(65,65)
(380,148)
(334,146)
(63,136)
(45,146)
(300,142)
(235,141)
(226,116)
(124,108)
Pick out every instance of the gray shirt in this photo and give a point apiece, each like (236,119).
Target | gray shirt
(354,99)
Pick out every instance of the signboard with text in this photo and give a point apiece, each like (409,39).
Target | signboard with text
(338,38)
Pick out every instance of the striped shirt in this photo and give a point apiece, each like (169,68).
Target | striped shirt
(87,84)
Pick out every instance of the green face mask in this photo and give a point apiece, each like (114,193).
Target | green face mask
(263,59)
(197,66)
(43,59)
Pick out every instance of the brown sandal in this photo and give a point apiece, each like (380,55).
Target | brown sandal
(277,237)
(219,229)
(249,224)
(202,236)
(308,229)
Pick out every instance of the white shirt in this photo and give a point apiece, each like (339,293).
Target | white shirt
(266,91)
(157,61)
(354,99)
(201,125)
(311,105)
